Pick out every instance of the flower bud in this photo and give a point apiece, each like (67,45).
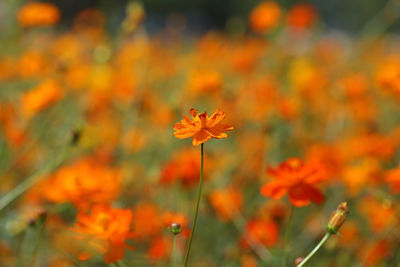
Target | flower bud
(175,228)
(337,218)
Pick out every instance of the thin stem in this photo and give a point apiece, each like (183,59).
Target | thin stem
(287,236)
(33,179)
(197,206)
(174,252)
(317,247)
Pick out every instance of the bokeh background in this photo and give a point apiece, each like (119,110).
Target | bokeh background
(91,173)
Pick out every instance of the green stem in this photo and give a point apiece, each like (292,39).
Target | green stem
(317,247)
(197,206)
(287,236)
(174,252)
(31,180)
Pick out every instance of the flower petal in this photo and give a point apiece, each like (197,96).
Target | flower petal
(201,137)
(274,190)
(303,194)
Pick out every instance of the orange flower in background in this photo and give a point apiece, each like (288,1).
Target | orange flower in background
(147,221)
(302,16)
(38,14)
(105,229)
(202,127)
(32,63)
(159,248)
(82,183)
(90,22)
(375,251)
(264,231)
(380,215)
(183,167)
(205,81)
(40,97)
(388,75)
(265,17)
(226,202)
(297,179)
(356,176)
(393,179)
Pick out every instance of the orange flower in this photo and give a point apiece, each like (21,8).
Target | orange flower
(227,202)
(301,16)
(39,98)
(264,231)
(297,179)
(159,248)
(205,81)
(82,183)
(380,215)
(265,17)
(106,230)
(393,178)
(38,14)
(374,252)
(183,167)
(147,220)
(202,127)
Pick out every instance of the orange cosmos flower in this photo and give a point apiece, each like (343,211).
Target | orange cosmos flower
(183,167)
(106,230)
(375,251)
(38,14)
(297,179)
(227,202)
(302,16)
(40,97)
(147,220)
(392,177)
(265,17)
(82,183)
(264,231)
(202,127)
(205,81)
(381,215)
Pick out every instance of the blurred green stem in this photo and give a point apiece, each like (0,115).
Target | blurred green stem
(379,23)
(174,252)
(31,180)
(31,242)
(197,206)
(287,236)
(317,247)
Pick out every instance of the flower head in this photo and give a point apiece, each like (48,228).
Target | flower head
(38,14)
(82,183)
(265,17)
(41,97)
(202,127)
(337,218)
(298,180)
(106,230)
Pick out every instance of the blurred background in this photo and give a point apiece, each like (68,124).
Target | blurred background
(202,15)
(90,91)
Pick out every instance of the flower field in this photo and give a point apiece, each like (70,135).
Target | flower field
(274,142)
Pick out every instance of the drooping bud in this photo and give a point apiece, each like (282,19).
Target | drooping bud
(175,228)
(337,218)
